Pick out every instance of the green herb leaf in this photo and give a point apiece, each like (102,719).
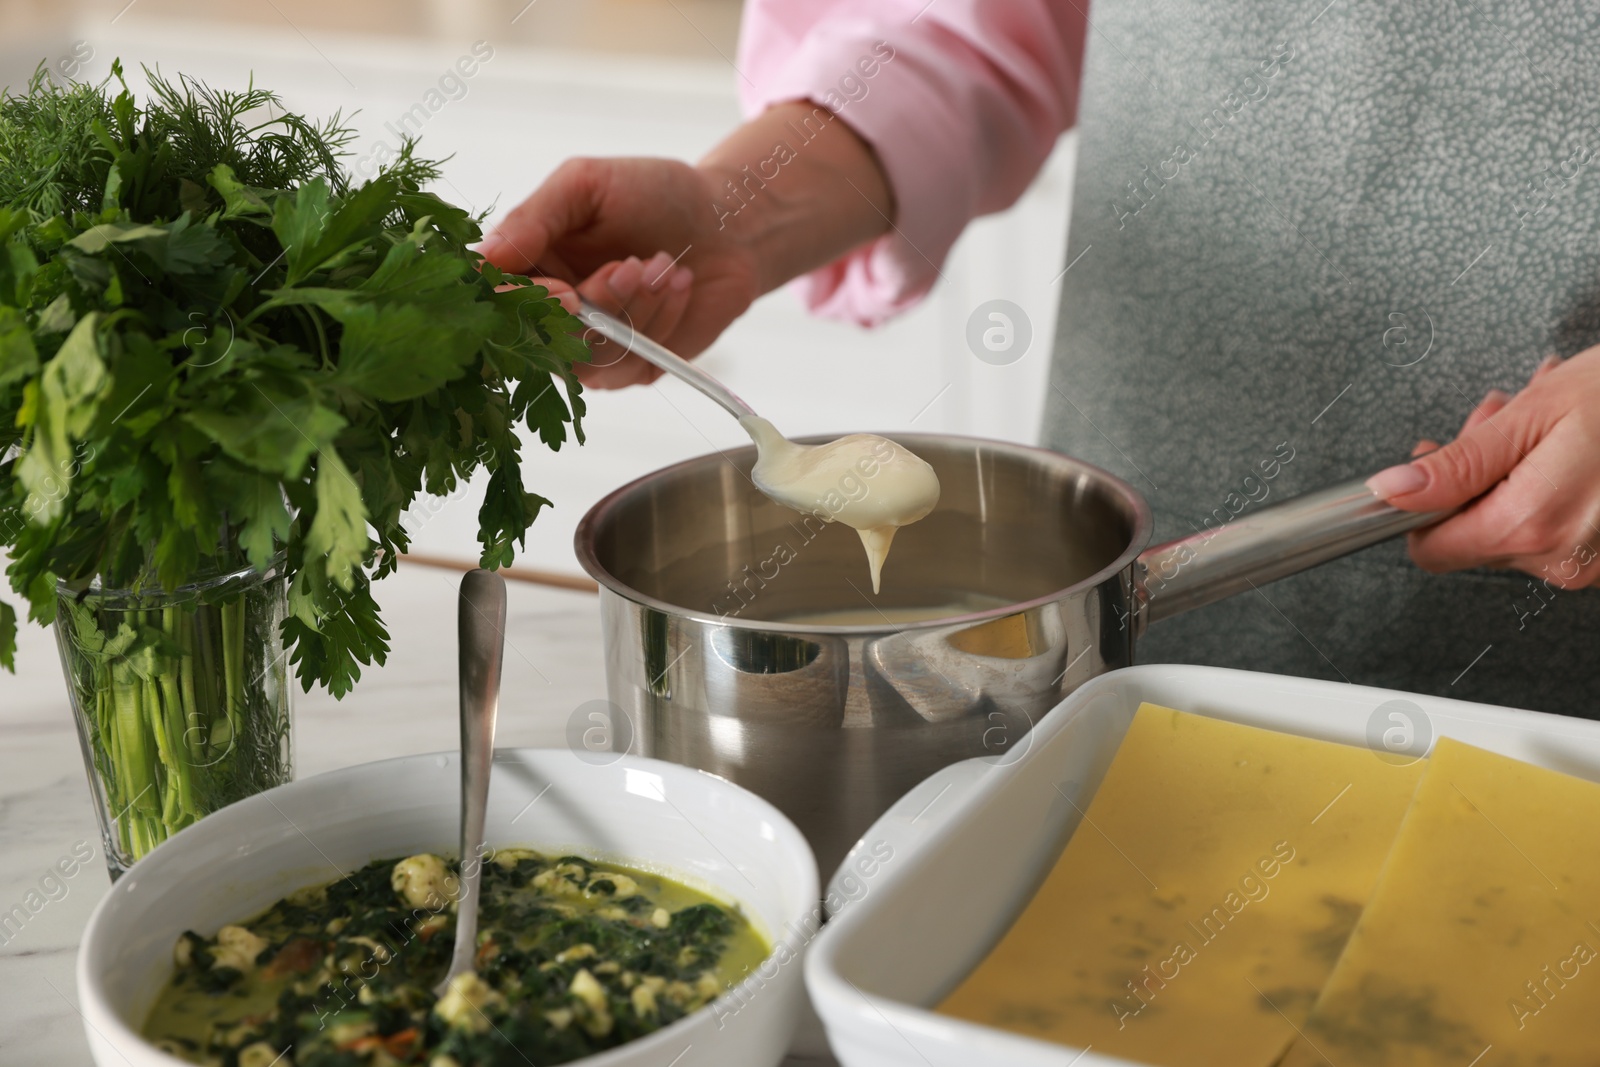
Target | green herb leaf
(270,430)
(60,409)
(353,224)
(239,200)
(76,376)
(339,531)
(18,358)
(348,634)
(97,239)
(8,636)
(257,505)
(403,351)
(299,222)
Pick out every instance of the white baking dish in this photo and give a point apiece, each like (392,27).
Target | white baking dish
(659,816)
(968,847)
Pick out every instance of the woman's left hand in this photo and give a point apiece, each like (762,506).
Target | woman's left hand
(1527,469)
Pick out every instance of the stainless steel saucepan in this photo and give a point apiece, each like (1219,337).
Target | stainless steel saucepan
(698,572)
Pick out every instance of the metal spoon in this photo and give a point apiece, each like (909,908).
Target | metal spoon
(615,330)
(481,632)
(769,442)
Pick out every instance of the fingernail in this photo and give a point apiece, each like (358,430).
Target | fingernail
(682,278)
(657,268)
(1398,481)
(1551,362)
(1495,396)
(568,299)
(624,281)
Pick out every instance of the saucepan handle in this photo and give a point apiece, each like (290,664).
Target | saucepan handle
(1263,546)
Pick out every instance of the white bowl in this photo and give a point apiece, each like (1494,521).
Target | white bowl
(972,843)
(658,816)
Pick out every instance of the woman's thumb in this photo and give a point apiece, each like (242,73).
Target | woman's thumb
(564,202)
(1462,470)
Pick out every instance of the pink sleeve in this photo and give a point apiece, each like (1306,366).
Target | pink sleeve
(961,99)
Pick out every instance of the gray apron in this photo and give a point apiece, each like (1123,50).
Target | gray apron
(1323,233)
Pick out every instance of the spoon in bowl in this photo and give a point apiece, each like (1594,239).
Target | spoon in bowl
(481,632)
(862,480)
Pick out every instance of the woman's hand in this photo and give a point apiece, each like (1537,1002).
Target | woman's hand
(640,239)
(681,251)
(1527,467)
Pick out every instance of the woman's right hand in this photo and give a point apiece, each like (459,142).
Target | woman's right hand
(747,219)
(641,239)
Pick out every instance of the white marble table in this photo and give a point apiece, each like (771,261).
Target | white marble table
(552,665)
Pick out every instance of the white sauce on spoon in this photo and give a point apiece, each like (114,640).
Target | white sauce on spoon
(862,480)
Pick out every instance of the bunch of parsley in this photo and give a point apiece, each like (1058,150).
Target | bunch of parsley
(214,347)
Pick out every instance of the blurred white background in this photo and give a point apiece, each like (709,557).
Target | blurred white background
(597,77)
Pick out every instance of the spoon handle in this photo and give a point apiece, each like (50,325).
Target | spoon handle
(614,329)
(481,623)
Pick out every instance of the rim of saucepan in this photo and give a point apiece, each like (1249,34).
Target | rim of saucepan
(117,1032)
(1143,524)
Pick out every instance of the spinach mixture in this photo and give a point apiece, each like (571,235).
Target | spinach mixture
(574,957)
